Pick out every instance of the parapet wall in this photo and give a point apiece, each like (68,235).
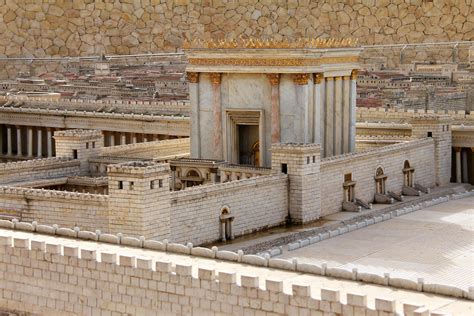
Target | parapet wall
(68,209)
(118,106)
(255,204)
(127,27)
(52,278)
(46,168)
(149,150)
(397,116)
(419,153)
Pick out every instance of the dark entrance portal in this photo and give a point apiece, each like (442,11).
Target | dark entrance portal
(249,153)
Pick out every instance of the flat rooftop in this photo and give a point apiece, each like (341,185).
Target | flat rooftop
(435,243)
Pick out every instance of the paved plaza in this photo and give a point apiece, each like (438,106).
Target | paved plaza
(435,243)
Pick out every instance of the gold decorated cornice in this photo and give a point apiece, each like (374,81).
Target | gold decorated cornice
(216,77)
(193,77)
(354,74)
(301,79)
(274,79)
(318,78)
(329,78)
(272,61)
(257,43)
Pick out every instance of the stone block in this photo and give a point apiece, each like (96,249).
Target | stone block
(127,261)
(71,251)
(144,263)
(6,241)
(339,273)
(45,229)
(154,244)
(163,266)
(38,245)
(249,281)
(24,226)
(281,264)
(178,248)
(87,235)
(184,269)
(254,260)
(202,252)
(6,224)
(293,246)
(108,238)
(88,254)
(385,305)
(21,242)
(66,232)
(301,290)
(131,241)
(330,295)
(403,283)
(357,299)
(309,268)
(108,257)
(274,285)
(227,255)
(206,274)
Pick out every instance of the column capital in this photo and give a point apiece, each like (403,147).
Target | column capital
(354,74)
(193,77)
(346,77)
(301,79)
(457,149)
(274,79)
(318,78)
(215,77)
(329,78)
(472,149)
(337,78)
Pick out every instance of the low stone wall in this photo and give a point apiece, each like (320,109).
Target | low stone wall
(67,209)
(419,153)
(118,106)
(38,169)
(52,279)
(150,150)
(255,203)
(397,115)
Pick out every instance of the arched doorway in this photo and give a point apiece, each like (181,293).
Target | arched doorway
(226,220)
(408,172)
(380,179)
(192,178)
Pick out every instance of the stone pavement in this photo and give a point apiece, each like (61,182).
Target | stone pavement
(435,243)
(432,302)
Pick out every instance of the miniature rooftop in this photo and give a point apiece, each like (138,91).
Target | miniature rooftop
(270,55)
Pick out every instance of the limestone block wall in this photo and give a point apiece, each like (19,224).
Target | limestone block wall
(156,149)
(404,115)
(67,209)
(255,203)
(57,279)
(72,28)
(38,169)
(419,153)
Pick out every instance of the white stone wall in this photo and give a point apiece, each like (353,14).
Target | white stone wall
(12,172)
(161,148)
(255,203)
(56,279)
(419,153)
(67,209)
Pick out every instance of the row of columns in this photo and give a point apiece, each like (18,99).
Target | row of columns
(461,163)
(15,136)
(124,138)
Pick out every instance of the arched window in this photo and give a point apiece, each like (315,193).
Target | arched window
(226,224)
(380,179)
(408,173)
(192,178)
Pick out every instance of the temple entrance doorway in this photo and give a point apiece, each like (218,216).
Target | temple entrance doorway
(249,146)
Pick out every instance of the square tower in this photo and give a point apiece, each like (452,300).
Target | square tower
(139,199)
(437,127)
(79,144)
(302,164)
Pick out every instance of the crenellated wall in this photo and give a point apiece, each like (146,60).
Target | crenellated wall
(80,27)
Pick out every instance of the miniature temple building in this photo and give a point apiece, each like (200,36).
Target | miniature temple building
(246,95)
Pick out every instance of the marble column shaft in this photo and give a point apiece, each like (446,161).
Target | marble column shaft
(318,108)
(39,141)
(346,107)
(18,141)
(465,174)
(112,139)
(134,138)
(29,140)
(458,164)
(193,79)
(329,122)
(338,116)
(217,114)
(353,99)
(302,95)
(275,105)
(9,140)
(123,139)
(49,140)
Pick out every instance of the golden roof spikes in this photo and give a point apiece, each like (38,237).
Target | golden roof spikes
(271,43)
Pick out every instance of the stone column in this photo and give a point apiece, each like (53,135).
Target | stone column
(193,79)
(275,101)
(39,140)
(458,164)
(145,138)
(18,141)
(338,116)
(329,141)
(301,109)
(346,108)
(134,138)
(353,98)
(318,106)
(29,140)
(217,114)
(49,140)
(112,139)
(123,139)
(465,174)
(9,140)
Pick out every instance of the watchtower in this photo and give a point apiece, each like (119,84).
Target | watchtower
(437,127)
(79,144)
(139,199)
(302,164)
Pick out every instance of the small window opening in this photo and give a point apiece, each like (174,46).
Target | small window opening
(131,185)
(307,160)
(152,184)
(87,145)
(314,159)
(430,134)
(447,127)
(284,168)
(348,177)
(93,144)
(160,183)
(74,153)
(120,185)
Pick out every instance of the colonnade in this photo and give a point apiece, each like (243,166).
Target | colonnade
(464,164)
(112,138)
(26,141)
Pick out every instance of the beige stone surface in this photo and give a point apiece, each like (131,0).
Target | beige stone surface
(435,243)
(82,27)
